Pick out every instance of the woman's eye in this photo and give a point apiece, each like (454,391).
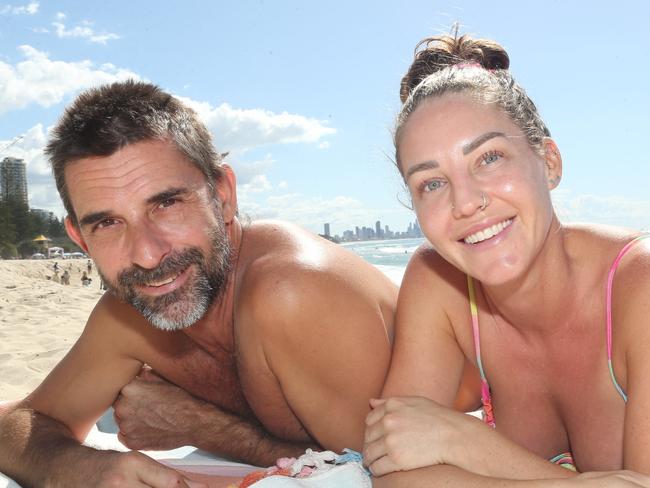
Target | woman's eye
(491,157)
(431,185)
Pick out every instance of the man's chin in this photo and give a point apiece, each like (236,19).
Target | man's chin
(172,314)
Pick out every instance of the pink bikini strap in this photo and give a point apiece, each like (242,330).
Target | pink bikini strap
(608,305)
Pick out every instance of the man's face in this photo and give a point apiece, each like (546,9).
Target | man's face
(155,230)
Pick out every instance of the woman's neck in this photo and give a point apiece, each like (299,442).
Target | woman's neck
(542,298)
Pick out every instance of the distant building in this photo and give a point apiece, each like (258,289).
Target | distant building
(13,180)
(327,230)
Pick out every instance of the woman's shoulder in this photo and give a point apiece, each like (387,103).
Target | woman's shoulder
(602,243)
(429,273)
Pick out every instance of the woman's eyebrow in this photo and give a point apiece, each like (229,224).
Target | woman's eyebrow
(482,139)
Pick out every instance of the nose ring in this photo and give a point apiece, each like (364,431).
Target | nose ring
(484,201)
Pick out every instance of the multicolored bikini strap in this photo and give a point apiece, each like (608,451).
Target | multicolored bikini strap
(486,397)
(608,304)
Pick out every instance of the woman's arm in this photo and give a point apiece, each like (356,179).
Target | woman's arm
(631,353)
(428,362)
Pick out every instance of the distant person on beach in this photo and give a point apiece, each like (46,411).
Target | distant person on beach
(89,266)
(65,278)
(264,339)
(85,280)
(554,316)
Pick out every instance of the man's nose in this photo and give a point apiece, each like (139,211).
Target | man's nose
(148,245)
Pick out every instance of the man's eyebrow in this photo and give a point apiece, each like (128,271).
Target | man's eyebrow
(421,167)
(94,217)
(166,195)
(468,148)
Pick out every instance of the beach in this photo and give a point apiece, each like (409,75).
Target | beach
(39,319)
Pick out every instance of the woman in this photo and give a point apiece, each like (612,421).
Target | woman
(506,286)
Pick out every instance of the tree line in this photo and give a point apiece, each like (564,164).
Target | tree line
(19,225)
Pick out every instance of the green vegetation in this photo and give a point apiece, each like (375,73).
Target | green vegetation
(19,226)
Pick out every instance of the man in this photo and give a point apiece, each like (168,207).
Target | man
(274,338)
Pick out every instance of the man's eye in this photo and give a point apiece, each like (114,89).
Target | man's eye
(168,202)
(105,223)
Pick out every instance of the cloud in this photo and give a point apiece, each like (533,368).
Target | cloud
(258,184)
(30,9)
(243,129)
(309,212)
(602,209)
(45,82)
(246,171)
(83,31)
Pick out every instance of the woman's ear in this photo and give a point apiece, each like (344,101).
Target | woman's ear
(552,162)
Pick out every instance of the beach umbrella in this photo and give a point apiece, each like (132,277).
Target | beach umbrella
(41,238)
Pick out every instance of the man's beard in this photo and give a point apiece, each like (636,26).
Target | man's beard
(184,306)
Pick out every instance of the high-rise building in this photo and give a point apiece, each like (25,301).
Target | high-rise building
(13,180)
(326,230)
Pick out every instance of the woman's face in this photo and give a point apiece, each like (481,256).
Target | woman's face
(481,193)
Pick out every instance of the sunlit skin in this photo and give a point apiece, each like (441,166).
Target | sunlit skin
(451,151)
(137,206)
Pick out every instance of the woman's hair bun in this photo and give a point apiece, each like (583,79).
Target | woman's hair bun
(436,53)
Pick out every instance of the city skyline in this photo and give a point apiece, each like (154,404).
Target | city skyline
(373,233)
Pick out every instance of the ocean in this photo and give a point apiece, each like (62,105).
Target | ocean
(390,256)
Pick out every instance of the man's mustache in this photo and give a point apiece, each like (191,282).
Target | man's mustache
(173,264)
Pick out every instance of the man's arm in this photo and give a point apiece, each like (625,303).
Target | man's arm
(36,450)
(153,414)
(324,337)
(40,438)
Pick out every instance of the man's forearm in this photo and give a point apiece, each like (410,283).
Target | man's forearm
(228,435)
(34,448)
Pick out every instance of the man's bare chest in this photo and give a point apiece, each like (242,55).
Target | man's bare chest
(210,375)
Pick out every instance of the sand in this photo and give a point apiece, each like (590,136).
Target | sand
(39,319)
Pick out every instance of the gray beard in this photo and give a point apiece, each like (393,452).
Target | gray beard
(186,305)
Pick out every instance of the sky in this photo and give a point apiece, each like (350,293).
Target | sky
(303,94)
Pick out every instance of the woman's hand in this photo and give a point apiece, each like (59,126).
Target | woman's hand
(405,433)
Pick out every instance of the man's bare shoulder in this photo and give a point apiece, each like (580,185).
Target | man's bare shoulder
(289,272)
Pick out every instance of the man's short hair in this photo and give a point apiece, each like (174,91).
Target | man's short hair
(105,119)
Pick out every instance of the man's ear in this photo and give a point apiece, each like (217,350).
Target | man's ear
(75,234)
(552,162)
(225,188)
